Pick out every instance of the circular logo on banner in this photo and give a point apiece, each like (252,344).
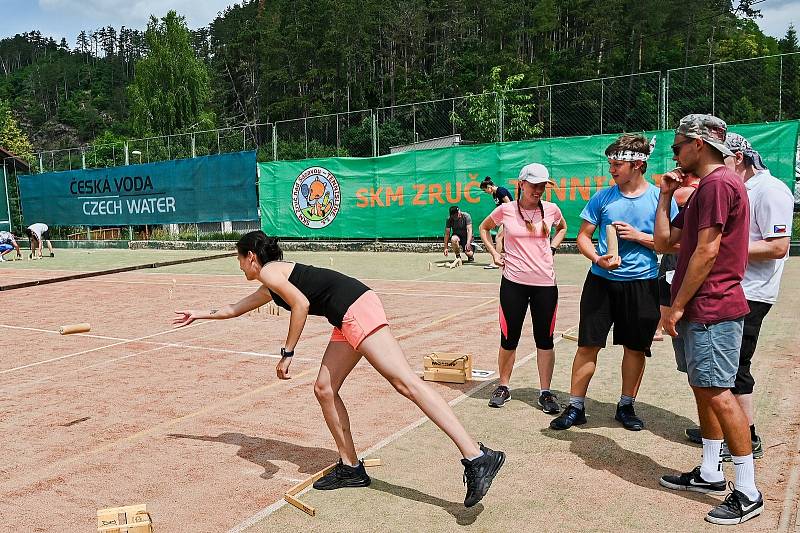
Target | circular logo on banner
(316,197)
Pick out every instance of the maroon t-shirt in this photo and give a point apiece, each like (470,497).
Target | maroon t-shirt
(720,200)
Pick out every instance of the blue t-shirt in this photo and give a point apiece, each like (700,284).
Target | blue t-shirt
(609,205)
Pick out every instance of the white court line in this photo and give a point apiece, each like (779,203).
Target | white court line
(163,344)
(791,491)
(37,363)
(265,512)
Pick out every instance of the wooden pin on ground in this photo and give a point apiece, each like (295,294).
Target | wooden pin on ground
(69,329)
(569,334)
(290,494)
(430,266)
(331,260)
(172,289)
(129,519)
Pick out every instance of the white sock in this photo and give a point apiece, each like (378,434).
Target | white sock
(476,457)
(745,476)
(711,467)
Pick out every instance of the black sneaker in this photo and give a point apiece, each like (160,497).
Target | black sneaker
(52,254)
(500,396)
(479,473)
(549,403)
(470,259)
(758,450)
(694,435)
(571,416)
(627,416)
(693,482)
(736,508)
(343,476)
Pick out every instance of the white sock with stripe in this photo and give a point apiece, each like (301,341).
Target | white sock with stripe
(745,476)
(711,467)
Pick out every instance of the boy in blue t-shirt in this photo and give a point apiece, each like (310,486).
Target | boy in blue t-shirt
(621,290)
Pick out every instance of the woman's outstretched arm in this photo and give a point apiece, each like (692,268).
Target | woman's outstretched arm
(248,303)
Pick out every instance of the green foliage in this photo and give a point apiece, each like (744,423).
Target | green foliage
(11,136)
(481,120)
(171,87)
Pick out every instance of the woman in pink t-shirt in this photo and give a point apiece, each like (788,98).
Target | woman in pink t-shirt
(528,278)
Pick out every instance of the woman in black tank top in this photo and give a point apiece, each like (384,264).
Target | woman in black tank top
(350,306)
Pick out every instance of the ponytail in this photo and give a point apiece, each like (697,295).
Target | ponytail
(265,248)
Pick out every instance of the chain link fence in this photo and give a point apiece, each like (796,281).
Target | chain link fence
(744,91)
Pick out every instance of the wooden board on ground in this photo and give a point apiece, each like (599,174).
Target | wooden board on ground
(128,519)
(292,492)
(447,367)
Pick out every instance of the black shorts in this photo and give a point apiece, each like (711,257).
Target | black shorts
(462,241)
(46,235)
(752,327)
(664,296)
(515,299)
(631,306)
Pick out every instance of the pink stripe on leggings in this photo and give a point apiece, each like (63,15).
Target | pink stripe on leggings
(503,325)
(553,322)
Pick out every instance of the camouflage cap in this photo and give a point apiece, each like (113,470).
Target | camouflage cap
(736,143)
(707,127)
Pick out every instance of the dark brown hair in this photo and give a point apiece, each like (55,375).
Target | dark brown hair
(630,142)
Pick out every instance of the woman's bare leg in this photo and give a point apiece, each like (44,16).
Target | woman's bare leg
(384,353)
(337,363)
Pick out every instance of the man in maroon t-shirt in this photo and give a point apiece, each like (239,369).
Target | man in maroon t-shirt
(708,307)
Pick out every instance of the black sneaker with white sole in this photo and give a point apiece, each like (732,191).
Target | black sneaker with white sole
(694,482)
(736,508)
(344,476)
(500,396)
(549,403)
(479,474)
(627,416)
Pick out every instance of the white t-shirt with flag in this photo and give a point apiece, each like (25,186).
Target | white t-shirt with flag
(771,210)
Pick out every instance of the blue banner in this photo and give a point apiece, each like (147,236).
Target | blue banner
(212,188)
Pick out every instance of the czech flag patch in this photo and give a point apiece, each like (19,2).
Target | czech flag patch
(779,228)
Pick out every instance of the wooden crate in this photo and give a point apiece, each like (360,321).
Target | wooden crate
(448,367)
(128,519)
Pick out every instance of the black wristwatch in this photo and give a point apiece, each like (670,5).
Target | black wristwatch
(286,353)
(553,250)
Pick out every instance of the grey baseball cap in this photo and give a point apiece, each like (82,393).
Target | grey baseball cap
(711,129)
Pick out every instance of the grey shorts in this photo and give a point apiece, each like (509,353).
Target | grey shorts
(709,353)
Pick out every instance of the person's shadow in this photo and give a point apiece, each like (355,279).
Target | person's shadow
(464,516)
(665,424)
(262,452)
(602,453)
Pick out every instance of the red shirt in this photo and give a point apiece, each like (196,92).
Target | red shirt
(720,200)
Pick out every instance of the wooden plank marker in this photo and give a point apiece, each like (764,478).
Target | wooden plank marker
(290,494)
(611,241)
(128,519)
(68,329)
(447,367)
(570,334)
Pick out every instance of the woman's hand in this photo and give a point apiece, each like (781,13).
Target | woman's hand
(185,318)
(498,259)
(282,368)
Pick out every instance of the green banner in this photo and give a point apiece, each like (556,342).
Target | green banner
(212,188)
(408,195)
(5,209)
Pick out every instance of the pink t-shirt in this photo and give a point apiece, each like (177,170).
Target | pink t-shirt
(528,259)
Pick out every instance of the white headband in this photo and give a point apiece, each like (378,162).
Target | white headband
(629,155)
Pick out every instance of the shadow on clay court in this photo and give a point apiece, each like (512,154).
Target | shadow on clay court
(464,516)
(602,453)
(262,452)
(658,421)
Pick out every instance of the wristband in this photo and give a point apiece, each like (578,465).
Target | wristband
(286,353)
(553,250)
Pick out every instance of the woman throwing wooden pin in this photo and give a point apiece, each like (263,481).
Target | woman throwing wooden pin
(529,279)
(359,329)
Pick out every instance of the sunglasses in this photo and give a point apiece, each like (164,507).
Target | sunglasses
(676,148)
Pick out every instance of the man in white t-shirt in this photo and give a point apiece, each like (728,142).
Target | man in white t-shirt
(37,233)
(771,206)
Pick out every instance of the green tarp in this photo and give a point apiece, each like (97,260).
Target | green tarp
(212,188)
(5,215)
(408,195)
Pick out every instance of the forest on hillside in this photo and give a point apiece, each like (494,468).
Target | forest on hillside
(265,61)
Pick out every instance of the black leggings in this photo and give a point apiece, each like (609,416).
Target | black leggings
(515,298)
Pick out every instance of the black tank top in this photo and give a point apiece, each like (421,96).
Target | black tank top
(329,293)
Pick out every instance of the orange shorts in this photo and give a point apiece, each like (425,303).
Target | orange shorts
(364,317)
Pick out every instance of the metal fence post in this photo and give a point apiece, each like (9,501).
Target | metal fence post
(194,150)
(666,101)
(169,150)
(375,133)
(338,144)
(780,91)
(501,109)
(83,158)
(602,103)
(413,124)
(305,132)
(127,156)
(274,141)
(550,108)
(714,89)
(244,138)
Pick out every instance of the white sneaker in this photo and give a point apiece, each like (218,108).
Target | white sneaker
(491,266)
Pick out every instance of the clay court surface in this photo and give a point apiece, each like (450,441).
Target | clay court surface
(194,423)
